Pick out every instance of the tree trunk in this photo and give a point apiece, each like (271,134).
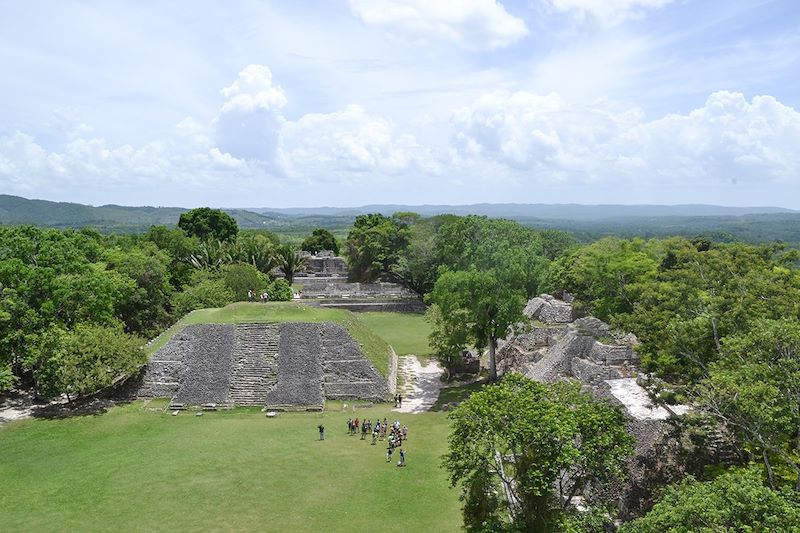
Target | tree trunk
(770,476)
(492,361)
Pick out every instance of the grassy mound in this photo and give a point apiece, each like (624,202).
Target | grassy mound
(137,470)
(374,347)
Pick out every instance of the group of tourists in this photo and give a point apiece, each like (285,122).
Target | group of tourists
(381,430)
(251,296)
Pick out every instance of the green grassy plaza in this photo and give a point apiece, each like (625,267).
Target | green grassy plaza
(137,468)
(132,469)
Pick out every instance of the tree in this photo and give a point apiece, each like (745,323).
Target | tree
(528,449)
(242,277)
(84,360)
(290,262)
(735,501)
(474,305)
(257,250)
(373,246)
(207,293)
(279,291)
(206,223)
(319,240)
(754,389)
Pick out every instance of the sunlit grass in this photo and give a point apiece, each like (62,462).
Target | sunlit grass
(137,470)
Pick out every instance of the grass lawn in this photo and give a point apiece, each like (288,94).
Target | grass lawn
(406,332)
(136,470)
(373,345)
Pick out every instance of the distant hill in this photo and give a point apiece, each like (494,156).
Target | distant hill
(587,222)
(542,211)
(18,210)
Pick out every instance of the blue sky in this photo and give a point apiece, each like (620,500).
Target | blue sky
(349,102)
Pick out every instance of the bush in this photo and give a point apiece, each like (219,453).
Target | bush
(207,293)
(242,277)
(279,291)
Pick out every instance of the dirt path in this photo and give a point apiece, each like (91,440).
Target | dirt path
(421,384)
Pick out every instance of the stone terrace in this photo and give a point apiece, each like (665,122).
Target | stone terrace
(348,374)
(299,369)
(281,366)
(206,376)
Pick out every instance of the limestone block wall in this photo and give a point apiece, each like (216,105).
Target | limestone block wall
(283,366)
(347,374)
(299,368)
(207,365)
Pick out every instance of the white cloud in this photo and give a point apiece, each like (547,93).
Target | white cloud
(548,139)
(249,123)
(472,24)
(323,146)
(608,12)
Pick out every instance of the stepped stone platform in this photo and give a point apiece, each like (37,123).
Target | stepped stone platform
(254,363)
(290,366)
(299,369)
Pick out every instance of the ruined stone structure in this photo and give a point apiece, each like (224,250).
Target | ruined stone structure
(554,346)
(278,366)
(324,282)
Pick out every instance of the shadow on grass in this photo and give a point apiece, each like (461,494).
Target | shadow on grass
(449,397)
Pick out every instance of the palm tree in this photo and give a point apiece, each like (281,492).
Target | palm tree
(290,261)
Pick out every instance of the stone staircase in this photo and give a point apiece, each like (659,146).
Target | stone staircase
(254,367)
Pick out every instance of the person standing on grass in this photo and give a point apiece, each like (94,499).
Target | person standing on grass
(405,432)
(321,429)
(402,461)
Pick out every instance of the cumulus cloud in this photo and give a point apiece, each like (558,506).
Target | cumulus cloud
(608,12)
(324,146)
(546,137)
(472,24)
(249,142)
(249,122)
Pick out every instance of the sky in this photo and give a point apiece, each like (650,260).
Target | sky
(257,103)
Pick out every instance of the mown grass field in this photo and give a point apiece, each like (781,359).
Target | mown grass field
(406,332)
(137,470)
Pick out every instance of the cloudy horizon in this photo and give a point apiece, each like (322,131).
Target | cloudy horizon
(348,103)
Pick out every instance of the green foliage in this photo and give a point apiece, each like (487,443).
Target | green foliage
(604,275)
(700,296)
(754,388)
(290,262)
(374,245)
(83,360)
(526,449)
(208,224)
(279,290)
(735,501)
(255,249)
(207,293)
(475,307)
(143,310)
(319,240)
(242,277)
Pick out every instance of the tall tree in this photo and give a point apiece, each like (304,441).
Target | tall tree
(477,306)
(290,262)
(319,240)
(374,245)
(206,223)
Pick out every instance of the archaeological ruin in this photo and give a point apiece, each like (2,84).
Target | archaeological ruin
(289,366)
